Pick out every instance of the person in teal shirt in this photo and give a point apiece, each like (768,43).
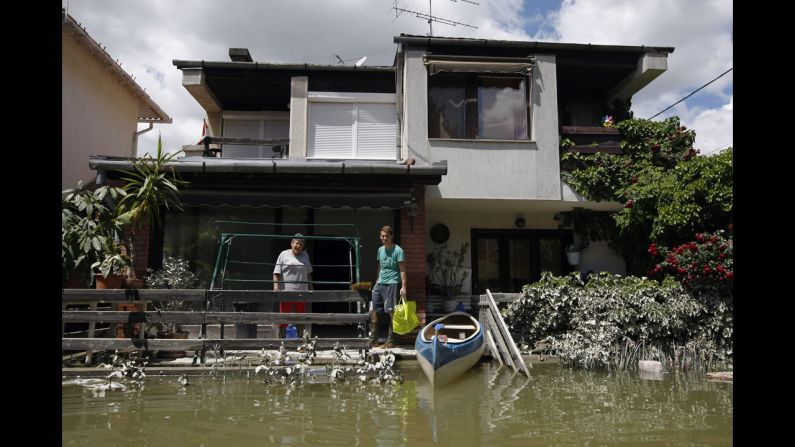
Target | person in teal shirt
(391,278)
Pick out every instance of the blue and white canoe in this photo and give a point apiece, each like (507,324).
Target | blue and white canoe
(448,346)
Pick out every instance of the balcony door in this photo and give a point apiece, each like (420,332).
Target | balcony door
(505,260)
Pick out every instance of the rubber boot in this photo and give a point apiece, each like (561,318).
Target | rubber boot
(390,340)
(373,328)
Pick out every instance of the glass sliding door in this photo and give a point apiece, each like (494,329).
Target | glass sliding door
(505,260)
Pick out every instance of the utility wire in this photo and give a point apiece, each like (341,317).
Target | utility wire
(694,91)
(718,148)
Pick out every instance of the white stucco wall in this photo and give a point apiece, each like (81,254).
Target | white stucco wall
(489,169)
(98,114)
(600,258)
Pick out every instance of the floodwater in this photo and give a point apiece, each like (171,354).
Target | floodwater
(487,406)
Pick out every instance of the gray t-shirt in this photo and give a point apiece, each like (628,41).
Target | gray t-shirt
(294,269)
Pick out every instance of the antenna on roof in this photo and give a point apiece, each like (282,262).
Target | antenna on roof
(430,18)
(358,63)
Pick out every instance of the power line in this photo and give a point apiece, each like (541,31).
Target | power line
(718,148)
(694,91)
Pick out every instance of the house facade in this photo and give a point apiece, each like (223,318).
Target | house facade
(101,105)
(457,143)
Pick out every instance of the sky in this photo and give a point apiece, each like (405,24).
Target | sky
(146,35)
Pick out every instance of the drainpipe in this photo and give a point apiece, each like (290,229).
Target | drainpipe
(135,138)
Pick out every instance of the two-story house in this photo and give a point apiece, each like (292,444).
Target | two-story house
(457,142)
(101,105)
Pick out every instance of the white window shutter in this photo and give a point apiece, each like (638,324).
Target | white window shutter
(376,131)
(331,130)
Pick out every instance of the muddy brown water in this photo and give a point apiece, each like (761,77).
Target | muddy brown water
(557,406)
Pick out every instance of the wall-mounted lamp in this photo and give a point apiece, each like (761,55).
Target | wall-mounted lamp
(519,222)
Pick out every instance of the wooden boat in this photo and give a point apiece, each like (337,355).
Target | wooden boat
(448,346)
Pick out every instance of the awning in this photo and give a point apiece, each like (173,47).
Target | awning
(297,199)
(471,64)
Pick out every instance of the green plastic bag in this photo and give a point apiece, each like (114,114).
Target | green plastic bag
(404,318)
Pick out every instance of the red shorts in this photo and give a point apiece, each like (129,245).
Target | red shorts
(292,307)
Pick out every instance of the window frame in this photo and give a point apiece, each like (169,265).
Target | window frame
(534,236)
(471,84)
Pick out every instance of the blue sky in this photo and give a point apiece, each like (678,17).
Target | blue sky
(146,35)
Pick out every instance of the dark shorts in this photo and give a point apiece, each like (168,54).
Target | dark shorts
(384,297)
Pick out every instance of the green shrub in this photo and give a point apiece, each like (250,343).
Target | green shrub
(604,322)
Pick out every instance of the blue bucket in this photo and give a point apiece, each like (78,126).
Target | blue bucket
(291,331)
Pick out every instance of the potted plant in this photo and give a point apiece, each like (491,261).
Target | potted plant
(113,267)
(573,253)
(175,274)
(90,229)
(447,268)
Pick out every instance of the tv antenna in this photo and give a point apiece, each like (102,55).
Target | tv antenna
(359,62)
(430,18)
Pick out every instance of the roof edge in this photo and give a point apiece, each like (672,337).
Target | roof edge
(124,78)
(469,42)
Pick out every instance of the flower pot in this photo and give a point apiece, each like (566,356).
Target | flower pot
(135,283)
(113,281)
(573,257)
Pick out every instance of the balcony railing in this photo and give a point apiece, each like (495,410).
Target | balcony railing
(591,139)
(280,146)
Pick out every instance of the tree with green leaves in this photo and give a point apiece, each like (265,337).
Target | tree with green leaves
(669,192)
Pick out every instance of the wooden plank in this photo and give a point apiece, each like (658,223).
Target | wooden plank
(287,317)
(83,316)
(506,333)
(501,345)
(502,297)
(492,346)
(128,295)
(156,344)
(588,130)
(460,327)
(270,296)
(91,327)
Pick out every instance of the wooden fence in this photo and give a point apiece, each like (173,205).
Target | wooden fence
(217,308)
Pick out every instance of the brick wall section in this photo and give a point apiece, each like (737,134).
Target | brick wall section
(141,242)
(413,242)
(141,250)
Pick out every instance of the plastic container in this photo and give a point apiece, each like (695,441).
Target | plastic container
(291,331)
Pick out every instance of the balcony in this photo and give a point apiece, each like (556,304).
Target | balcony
(279,146)
(591,139)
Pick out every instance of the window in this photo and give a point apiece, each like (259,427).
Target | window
(475,106)
(352,126)
(506,260)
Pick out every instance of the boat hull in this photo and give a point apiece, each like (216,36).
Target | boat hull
(442,362)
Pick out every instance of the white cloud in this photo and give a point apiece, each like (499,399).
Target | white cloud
(699,30)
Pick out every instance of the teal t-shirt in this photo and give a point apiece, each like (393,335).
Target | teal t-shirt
(388,259)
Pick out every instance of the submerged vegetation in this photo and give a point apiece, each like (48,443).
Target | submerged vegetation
(612,321)
(675,228)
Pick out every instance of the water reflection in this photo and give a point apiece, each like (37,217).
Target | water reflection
(487,406)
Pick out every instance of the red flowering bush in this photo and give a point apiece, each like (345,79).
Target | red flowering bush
(705,264)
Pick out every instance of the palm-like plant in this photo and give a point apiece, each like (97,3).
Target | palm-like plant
(151,184)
